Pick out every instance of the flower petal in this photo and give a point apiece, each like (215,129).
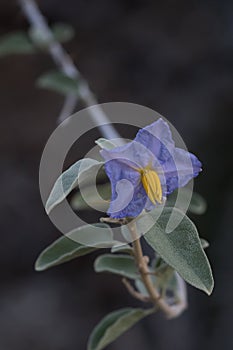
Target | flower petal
(133,153)
(180,168)
(157,138)
(127,200)
(153,149)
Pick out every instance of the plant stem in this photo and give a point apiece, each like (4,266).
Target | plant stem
(66,65)
(142,263)
(68,108)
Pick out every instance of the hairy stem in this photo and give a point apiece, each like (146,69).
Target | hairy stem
(142,263)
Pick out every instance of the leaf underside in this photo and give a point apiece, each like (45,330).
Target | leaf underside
(113,325)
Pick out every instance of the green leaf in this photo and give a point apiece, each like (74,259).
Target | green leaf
(171,287)
(123,265)
(160,279)
(163,277)
(77,174)
(181,249)
(104,143)
(78,202)
(205,244)
(63,32)
(173,283)
(140,286)
(60,32)
(38,39)
(16,43)
(123,248)
(197,205)
(59,82)
(114,325)
(177,287)
(65,248)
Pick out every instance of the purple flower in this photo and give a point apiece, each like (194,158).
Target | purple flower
(144,171)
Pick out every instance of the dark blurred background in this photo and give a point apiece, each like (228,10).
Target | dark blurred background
(173,56)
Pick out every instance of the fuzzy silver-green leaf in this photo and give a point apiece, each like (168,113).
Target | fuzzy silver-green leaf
(120,264)
(71,178)
(181,249)
(114,325)
(72,245)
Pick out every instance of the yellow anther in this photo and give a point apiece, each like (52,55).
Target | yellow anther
(151,184)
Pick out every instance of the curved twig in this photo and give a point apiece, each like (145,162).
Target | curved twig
(66,65)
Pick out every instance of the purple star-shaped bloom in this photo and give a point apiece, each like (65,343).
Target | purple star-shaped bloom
(143,172)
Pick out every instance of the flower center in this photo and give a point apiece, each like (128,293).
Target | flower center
(152,185)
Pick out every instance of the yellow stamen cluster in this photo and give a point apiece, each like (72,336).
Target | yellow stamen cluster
(151,184)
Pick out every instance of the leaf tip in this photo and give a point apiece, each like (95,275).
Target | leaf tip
(38,267)
(210,290)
